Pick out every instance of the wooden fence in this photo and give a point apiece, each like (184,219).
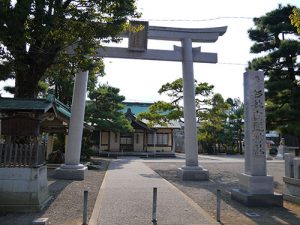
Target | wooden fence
(22,155)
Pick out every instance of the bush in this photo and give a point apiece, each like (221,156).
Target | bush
(56,157)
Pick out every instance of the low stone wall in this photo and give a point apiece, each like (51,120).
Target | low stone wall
(23,189)
(291,191)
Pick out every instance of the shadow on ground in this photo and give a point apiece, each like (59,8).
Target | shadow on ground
(65,207)
(224,177)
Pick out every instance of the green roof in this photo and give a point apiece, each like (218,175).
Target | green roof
(23,104)
(42,105)
(31,104)
(136,107)
(62,108)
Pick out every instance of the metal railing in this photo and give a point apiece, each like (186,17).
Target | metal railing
(22,155)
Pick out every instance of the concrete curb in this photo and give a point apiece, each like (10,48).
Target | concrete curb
(96,211)
(193,204)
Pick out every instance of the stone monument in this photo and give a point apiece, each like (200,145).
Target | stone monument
(256,187)
(281,149)
(268,148)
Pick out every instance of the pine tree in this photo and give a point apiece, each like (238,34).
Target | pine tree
(277,40)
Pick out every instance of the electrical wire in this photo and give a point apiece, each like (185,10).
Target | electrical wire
(196,20)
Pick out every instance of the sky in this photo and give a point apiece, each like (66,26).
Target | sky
(140,80)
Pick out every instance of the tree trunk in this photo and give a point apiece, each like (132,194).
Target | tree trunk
(26,85)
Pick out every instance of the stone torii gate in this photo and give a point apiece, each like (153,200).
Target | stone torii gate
(137,49)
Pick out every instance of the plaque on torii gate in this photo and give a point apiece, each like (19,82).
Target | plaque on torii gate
(137,49)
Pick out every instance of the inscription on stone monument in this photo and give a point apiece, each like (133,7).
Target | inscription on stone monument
(257,114)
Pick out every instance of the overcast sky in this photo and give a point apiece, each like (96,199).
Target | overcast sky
(140,80)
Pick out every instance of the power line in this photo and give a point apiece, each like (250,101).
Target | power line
(197,20)
(235,64)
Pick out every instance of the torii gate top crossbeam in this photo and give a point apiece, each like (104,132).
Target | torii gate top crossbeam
(137,44)
(206,35)
(178,34)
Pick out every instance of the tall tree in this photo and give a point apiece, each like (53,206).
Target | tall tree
(235,123)
(295,18)
(212,126)
(34,33)
(104,111)
(59,79)
(162,112)
(276,39)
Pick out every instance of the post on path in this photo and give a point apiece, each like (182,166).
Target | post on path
(85,204)
(154,207)
(218,205)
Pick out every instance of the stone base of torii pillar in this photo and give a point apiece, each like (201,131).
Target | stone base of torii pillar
(256,188)
(193,173)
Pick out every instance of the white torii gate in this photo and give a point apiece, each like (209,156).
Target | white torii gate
(72,169)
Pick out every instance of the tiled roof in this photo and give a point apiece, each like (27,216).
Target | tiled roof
(22,104)
(28,104)
(63,109)
(42,105)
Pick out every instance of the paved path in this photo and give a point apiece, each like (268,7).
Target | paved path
(125,198)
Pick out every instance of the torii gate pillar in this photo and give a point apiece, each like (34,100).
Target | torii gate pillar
(72,169)
(191,170)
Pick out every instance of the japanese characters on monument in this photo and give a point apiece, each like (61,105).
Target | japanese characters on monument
(257,106)
(255,140)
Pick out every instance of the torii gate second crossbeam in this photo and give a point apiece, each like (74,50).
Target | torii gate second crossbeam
(137,49)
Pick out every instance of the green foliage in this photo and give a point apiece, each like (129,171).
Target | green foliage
(212,124)
(59,142)
(162,112)
(221,127)
(60,77)
(35,37)
(277,39)
(221,122)
(235,123)
(86,147)
(104,110)
(295,18)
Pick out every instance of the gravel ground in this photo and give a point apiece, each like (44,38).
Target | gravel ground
(224,176)
(65,208)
